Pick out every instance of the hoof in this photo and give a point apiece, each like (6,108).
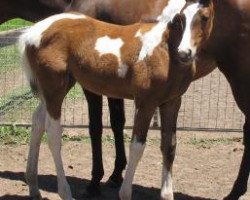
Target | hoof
(93,190)
(230,197)
(124,196)
(125,193)
(235,194)
(37,197)
(168,197)
(114,182)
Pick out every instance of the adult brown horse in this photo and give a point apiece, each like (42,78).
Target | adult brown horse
(229,47)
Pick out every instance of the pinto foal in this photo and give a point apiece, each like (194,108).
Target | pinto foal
(138,62)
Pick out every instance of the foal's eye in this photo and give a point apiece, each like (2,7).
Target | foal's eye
(204,18)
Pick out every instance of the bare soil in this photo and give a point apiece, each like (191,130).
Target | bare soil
(205,168)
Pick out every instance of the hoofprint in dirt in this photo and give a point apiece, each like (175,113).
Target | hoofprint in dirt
(205,167)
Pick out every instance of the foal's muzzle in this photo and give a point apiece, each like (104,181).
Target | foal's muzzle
(185,56)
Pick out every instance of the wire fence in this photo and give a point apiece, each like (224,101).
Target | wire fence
(207,105)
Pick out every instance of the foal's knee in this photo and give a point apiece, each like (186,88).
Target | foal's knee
(38,118)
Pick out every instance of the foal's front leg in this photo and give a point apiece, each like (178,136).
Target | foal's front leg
(168,113)
(143,115)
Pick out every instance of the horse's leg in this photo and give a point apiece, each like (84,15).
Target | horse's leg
(240,185)
(168,112)
(117,120)
(38,128)
(239,82)
(54,130)
(95,131)
(143,115)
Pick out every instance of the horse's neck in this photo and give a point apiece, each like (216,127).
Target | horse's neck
(226,25)
(230,38)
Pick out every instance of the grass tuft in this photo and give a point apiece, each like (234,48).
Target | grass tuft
(207,142)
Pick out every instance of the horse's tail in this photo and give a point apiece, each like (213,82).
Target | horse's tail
(26,64)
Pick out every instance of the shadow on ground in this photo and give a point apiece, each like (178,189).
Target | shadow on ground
(48,183)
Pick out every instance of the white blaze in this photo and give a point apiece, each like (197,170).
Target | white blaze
(186,42)
(153,38)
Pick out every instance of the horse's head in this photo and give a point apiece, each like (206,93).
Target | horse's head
(198,15)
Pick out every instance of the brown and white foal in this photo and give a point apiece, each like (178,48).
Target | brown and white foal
(138,62)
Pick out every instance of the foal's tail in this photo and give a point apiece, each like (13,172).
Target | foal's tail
(23,42)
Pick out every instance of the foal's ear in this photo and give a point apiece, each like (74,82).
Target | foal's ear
(176,28)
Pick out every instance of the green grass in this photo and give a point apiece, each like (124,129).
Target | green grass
(22,108)
(14,24)
(9,58)
(12,135)
(12,94)
(75,92)
(212,141)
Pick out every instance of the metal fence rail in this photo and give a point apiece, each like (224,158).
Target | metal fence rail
(207,105)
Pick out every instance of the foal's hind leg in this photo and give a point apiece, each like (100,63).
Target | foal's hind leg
(38,128)
(240,185)
(169,113)
(54,90)
(143,117)
(117,120)
(54,130)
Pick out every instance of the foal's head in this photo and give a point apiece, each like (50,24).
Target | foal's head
(198,16)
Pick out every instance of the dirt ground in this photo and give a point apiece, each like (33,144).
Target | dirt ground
(205,167)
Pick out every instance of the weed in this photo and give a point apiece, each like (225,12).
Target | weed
(212,141)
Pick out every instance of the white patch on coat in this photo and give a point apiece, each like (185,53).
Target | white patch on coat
(186,42)
(107,45)
(33,35)
(54,130)
(135,154)
(173,7)
(167,185)
(151,39)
